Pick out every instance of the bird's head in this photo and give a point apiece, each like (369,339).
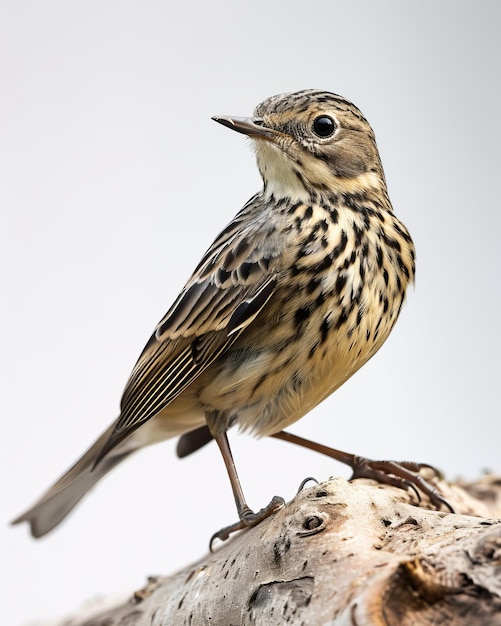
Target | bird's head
(311,142)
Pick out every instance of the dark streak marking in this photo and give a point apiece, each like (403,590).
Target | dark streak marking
(324,329)
(313,285)
(340,283)
(342,319)
(302,314)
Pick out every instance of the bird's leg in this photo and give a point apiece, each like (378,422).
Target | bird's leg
(402,474)
(245,513)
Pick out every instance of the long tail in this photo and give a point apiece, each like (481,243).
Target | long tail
(60,499)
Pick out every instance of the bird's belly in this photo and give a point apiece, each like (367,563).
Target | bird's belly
(265,387)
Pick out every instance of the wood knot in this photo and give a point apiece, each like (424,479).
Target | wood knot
(313,524)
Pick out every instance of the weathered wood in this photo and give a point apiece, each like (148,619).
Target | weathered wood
(340,553)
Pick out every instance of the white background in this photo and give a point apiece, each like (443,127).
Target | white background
(114,181)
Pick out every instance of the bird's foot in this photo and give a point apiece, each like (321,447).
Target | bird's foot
(248,519)
(403,474)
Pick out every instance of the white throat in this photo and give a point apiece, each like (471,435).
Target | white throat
(276,169)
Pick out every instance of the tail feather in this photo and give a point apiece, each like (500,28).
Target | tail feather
(60,499)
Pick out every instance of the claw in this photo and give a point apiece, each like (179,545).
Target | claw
(402,475)
(305,481)
(247,520)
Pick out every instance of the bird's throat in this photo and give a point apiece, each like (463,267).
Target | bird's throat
(281,176)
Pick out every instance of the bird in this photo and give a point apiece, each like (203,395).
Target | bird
(294,295)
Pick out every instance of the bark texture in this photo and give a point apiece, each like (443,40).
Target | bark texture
(344,553)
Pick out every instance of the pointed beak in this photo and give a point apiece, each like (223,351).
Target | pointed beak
(250,126)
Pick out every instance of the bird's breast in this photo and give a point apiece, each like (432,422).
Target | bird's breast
(340,291)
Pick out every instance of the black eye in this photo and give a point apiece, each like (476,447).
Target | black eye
(324,126)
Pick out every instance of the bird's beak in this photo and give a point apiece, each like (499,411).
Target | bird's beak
(250,126)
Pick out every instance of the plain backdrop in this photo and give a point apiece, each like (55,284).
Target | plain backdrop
(114,181)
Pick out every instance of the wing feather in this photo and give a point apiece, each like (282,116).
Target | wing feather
(214,308)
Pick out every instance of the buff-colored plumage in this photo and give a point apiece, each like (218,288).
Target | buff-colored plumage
(292,298)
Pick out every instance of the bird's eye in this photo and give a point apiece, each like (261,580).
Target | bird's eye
(324,126)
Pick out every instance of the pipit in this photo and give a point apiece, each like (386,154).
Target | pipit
(295,294)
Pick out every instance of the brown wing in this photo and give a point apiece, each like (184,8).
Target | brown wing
(233,282)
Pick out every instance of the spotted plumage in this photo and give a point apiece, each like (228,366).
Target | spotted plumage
(292,298)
